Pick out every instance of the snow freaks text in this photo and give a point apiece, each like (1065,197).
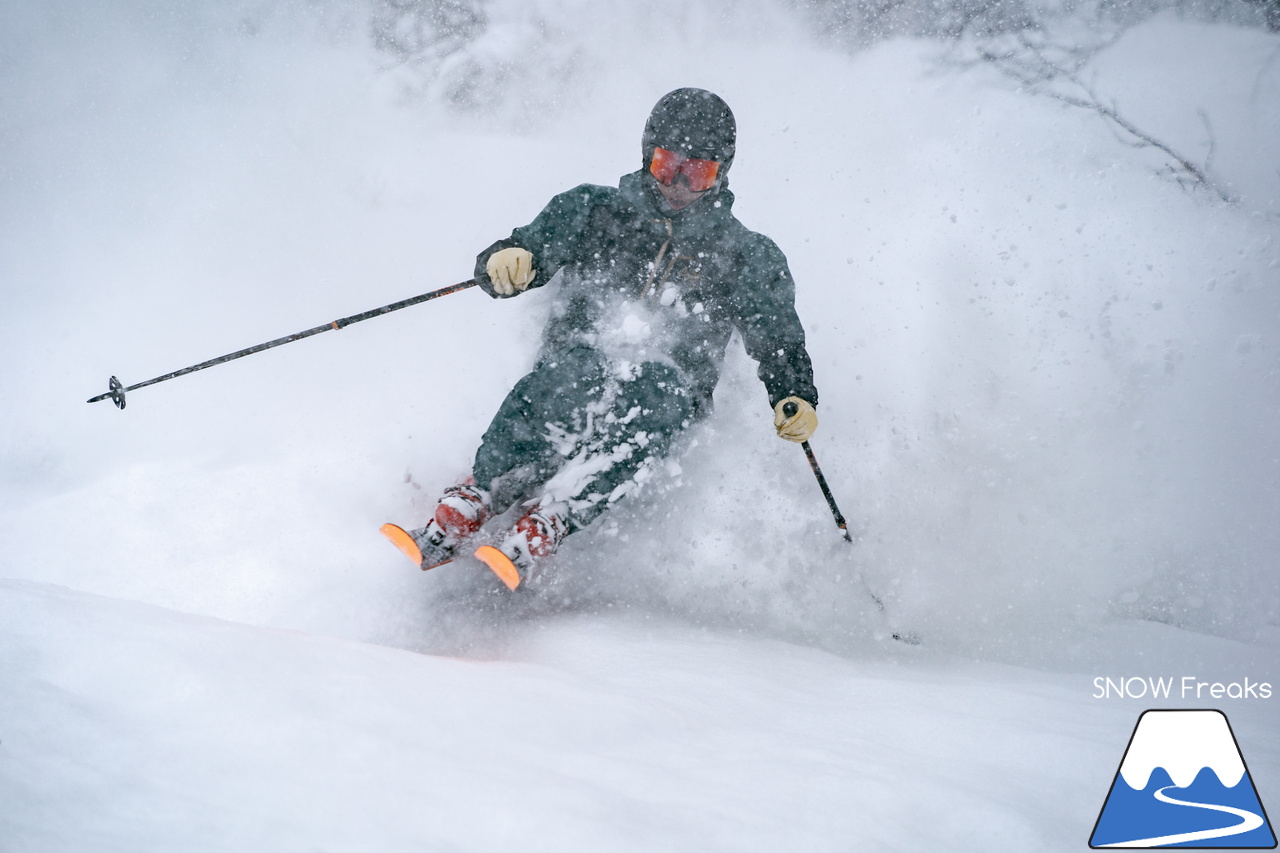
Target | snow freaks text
(1185,687)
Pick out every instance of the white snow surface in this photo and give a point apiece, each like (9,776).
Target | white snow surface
(1049,381)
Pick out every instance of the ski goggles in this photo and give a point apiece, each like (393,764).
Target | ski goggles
(666,165)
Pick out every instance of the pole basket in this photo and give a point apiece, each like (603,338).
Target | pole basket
(116,392)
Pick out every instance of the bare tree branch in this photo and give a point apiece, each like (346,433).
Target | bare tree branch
(1029,67)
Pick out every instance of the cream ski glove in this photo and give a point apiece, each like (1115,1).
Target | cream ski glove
(797,427)
(511,270)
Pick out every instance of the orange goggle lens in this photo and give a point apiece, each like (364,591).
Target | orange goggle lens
(666,165)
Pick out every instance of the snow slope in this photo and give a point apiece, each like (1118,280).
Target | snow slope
(1049,396)
(137,728)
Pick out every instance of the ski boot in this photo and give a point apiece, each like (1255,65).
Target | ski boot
(535,537)
(459,514)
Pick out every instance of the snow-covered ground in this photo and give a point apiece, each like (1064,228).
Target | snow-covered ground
(1050,382)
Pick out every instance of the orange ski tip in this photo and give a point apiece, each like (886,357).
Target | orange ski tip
(500,564)
(402,540)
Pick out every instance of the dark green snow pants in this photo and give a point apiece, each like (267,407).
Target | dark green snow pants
(579,416)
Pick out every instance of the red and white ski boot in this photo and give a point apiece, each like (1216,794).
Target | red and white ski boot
(535,537)
(462,510)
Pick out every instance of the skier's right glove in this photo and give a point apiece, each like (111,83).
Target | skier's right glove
(798,426)
(511,270)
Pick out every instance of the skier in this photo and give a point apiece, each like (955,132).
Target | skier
(653,277)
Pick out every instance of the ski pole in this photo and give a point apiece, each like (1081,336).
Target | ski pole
(790,410)
(909,637)
(116,390)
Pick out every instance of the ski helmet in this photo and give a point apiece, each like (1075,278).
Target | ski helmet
(692,122)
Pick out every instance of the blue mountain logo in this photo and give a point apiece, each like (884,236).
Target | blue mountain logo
(1183,783)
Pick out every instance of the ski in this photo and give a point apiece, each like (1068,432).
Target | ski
(408,546)
(500,564)
(493,559)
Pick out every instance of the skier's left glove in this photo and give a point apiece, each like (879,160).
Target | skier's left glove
(797,427)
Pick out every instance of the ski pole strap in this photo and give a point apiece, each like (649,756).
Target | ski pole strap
(116,391)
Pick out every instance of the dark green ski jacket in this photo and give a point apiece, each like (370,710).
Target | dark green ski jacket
(670,287)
